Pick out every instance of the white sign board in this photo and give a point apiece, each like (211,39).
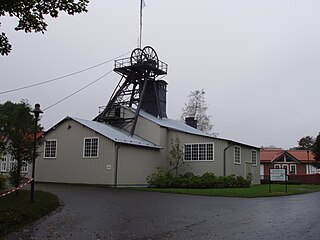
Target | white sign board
(278,175)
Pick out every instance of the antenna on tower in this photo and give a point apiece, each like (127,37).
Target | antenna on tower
(142,5)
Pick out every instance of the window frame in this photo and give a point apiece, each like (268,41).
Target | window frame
(4,162)
(12,163)
(202,153)
(50,150)
(235,155)
(277,166)
(254,163)
(286,166)
(84,148)
(295,169)
(24,167)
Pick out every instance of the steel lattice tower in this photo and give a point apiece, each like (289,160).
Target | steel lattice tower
(138,88)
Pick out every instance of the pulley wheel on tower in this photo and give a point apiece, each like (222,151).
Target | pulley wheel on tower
(151,56)
(137,56)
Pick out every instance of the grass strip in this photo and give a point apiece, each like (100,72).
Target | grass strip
(254,191)
(16,209)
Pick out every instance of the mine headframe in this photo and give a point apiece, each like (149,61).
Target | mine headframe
(139,88)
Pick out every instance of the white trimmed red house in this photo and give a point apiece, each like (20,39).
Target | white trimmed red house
(297,162)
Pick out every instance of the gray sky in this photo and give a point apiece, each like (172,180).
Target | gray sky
(258,62)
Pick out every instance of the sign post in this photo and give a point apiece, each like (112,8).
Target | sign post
(277,175)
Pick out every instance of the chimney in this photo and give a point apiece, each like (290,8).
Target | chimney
(191,122)
(154,101)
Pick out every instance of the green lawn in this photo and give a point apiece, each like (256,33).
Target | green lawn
(16,209)
(254,191)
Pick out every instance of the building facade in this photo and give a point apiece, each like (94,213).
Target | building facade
(296,162)
(90,152)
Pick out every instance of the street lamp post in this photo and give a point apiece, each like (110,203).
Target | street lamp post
(36,111)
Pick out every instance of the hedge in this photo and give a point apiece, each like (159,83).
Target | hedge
(166,179)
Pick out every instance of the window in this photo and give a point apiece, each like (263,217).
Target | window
(237,155)
(187,153)
(293,169)
(254,157)
(210,151)
(198,152)
(50,149)
(195,152)
(91,146)
(12,164)
(24,167)
(277,166)
(4,166)
(285,166)
(202,152)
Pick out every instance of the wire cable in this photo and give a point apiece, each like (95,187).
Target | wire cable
(59,78)
(79,90)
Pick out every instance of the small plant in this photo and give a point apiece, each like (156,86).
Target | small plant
(176,155)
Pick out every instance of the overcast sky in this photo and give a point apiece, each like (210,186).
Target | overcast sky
(258,61)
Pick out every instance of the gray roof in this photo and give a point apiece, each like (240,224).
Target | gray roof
(173,124)
(113,134)
(182,127)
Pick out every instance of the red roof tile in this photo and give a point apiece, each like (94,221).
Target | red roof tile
(271,154)
(302,155)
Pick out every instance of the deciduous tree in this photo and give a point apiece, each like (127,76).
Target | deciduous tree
(31,15)
(305,143)
(197,107)
(316,149)
(17,126)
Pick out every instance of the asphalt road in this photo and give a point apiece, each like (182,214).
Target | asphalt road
(106,213)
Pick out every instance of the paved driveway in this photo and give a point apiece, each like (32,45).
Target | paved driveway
(106,213)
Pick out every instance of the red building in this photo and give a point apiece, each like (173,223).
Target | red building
(297,162)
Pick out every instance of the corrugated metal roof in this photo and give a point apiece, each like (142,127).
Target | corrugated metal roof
(173,124)
(182,127)
(114,134)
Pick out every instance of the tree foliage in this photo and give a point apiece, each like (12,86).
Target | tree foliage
(31,15)
(17,125)
(305,143)
(316,149)
(197,107)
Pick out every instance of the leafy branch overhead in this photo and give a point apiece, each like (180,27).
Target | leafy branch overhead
(31,15)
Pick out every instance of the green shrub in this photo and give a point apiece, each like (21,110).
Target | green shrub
(2,183)
(161,179)
(188,180)
(166,179)
(209,180)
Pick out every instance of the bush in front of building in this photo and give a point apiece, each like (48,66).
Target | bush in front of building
(166,179)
